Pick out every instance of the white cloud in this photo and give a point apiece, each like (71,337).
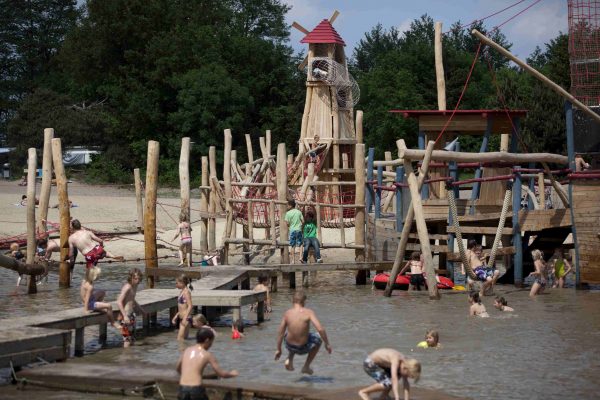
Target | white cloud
(303,10)
(404,25)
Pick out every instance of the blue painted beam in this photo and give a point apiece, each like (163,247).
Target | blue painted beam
(370,193)
(399,203)
(571,156)
(378,192)
(517,242)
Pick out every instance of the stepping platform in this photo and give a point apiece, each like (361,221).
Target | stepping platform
(98,378)
(31,344)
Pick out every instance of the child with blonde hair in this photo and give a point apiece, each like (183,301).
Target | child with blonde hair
(92,298)
(387,366)
(540,273)
(184,307)
(432,339)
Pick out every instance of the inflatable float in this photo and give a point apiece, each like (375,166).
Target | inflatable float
(403,281)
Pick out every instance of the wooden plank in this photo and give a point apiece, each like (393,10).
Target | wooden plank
(481,230)
(503,251)
(23,346)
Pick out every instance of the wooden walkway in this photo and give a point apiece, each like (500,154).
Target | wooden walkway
(127,378)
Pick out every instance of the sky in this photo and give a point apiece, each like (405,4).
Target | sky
(537,26)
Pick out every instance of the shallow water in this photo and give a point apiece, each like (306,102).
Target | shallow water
(547,349)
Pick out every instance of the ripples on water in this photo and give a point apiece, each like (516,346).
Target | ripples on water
(547,349)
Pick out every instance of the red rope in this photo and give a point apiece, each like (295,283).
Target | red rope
(461,94)
(517,14)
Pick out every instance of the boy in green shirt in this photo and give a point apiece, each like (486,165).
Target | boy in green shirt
(310,237)
(294,219)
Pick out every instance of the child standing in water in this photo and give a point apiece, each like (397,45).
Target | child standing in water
(191,364)
(294,219)
(560,272)
(416,271)
(295,331)
(539,284)
(262,287)
(477,309)
(184,307)
(501,304)
(185,247)
(92,298)
(237,329)
(128,306)
(387,366)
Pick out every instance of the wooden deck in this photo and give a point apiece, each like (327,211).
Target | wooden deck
(23,346)
(111,379)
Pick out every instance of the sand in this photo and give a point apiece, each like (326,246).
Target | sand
(112,208)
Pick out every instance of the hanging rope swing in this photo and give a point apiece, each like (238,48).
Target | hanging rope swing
(501,222)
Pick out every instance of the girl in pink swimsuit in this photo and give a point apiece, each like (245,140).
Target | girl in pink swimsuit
(185,247)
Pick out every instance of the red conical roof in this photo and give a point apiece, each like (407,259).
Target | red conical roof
(323,33)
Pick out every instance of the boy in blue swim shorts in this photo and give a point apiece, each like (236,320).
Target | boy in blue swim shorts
(294,219)
(295,331)
(386,366)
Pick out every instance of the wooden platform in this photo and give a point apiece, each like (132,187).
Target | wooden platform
(23,346)
(115,379)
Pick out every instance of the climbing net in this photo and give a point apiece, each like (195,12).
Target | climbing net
(584,50)
(336,75)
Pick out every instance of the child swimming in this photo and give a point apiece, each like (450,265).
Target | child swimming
(432,339)
(501,304)
(477,309)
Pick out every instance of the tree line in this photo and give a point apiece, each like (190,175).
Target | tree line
(114,74)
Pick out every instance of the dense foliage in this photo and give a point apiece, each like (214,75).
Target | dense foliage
(115,74)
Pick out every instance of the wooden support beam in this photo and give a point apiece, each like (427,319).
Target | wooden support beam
(150,249)
(31,239)
(204,199)
(227,181)
(212,200)
(499,156)
(439,67)
(184,176)
(138,199)
(64,279)
(282,190)
(249,149)
(46,179)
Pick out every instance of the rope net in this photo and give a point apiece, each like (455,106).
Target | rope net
(584,50)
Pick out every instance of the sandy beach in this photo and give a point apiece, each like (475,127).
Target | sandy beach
(112,208)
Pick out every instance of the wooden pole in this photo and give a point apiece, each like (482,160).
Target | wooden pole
(422,230)
(204,206)
(268,142)
(22,268)
(138,199)
(504,139)
(491,157)
(212,201)
(542,190)
(359,126)
(150,209)
(31,239)
(439,67)
(408,221)
(64,279)
(309,178)
(184,176)
(46,180)
(532,71)
(228,191)
(282,190)
(249,149)
(360,217)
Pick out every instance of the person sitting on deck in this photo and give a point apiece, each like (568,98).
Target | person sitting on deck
(128,306)
(191,364)
(93,298)
(487,275)
(477,309)
(185,247)
(295,331)
(416,271)
(310,237)
(386,366)
(83,240)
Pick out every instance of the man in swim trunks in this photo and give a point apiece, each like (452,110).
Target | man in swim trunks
(191,364)
(298,338)
(386,366)
(83,240)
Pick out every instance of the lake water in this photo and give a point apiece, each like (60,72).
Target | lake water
(548,349)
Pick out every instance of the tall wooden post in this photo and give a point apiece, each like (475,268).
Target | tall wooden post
(360,216)
(64,279)
(150,209)
(31,240)
(228,190)
(439,67)
(359,126)
(46,179)
(249,149)
(138,199)
(410,216)
(282,189)
(184,176)
(212,201)
(204,191)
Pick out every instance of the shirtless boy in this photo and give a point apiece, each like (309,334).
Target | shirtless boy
(488,276)
(185,247)
(83,240)
(191,365)
(262,287)
(128,306)
(386,366)
(298,338)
